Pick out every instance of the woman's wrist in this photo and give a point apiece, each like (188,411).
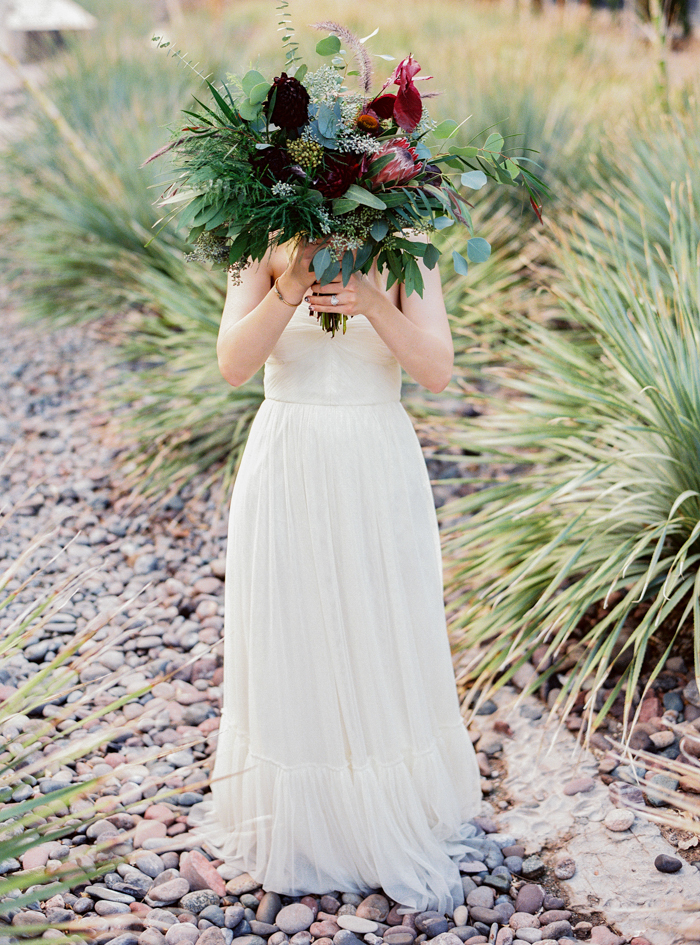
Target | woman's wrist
(292,290)
(379,307)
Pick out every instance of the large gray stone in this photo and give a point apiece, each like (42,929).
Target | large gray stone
(294,918)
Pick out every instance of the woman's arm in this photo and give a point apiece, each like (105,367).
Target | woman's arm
(254,316)
(418,333)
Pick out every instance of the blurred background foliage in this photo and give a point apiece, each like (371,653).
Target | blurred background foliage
(573,429)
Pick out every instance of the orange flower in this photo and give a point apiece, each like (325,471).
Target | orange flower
(368,124)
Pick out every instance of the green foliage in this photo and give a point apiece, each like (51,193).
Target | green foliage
(74,730)
(79,252)
(82,253)
(603,519)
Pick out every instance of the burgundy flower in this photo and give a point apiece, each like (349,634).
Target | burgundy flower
(433,175)
(291,108)
(339,172)
(383,105)
(404,165)
(272,165)
(406,107)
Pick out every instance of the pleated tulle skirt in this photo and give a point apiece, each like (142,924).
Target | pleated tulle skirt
(342,762)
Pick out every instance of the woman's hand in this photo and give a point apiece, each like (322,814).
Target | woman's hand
(298,277)
(361,296)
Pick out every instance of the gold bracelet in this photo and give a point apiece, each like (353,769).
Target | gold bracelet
(281,297)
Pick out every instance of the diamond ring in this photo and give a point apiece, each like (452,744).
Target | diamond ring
(334,300)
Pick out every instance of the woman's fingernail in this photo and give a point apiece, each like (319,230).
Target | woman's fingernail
(307,298)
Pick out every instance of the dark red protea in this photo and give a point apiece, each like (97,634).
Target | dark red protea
(272,165)
(339,172)
(291,105)
(404,165)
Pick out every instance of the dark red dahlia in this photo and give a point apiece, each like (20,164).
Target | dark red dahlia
(272,165)
(339,172)
(291,105)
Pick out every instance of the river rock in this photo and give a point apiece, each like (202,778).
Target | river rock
(399,935)
(667,864)
(200,873)
(579,786)
(374,907)
(241,884)
(294,918)
(169,892)
(199,899)
(356,924)
(565,866)
(529,899)
(214,936)
(182,933)
(619,819)
(481,896)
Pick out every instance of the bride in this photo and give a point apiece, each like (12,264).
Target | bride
(342,762)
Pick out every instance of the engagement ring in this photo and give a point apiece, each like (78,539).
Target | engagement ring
(334,300)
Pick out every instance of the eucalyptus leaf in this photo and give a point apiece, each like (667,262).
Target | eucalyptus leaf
(251,79)
(248,111)
(330,272)
(360,195)
(379,229)
(478,249)
(431,256)
(467,152)
(259,93)
(445,129)
(341,205)
(329,46)
(512,168)
(441,223)
(474,179)
(460,263)
(321,261)
(494,143)
(363,254)
(347,265)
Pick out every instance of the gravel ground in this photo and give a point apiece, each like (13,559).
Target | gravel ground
(165,573)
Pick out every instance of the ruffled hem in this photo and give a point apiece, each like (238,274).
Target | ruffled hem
(400,826)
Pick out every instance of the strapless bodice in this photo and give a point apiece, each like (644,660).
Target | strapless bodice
(310,366)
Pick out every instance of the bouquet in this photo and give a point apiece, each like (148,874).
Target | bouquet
(303,156)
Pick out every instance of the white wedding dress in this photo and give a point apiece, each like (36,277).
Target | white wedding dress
(342,761)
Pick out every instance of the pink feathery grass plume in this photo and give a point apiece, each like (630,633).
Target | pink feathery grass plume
(404,165)
(358,49)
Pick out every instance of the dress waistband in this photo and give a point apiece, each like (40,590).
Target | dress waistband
(313,403)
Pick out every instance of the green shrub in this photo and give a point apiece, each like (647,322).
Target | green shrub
(602,523)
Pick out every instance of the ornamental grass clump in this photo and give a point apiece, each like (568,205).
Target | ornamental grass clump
(596,543)
(48,723)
